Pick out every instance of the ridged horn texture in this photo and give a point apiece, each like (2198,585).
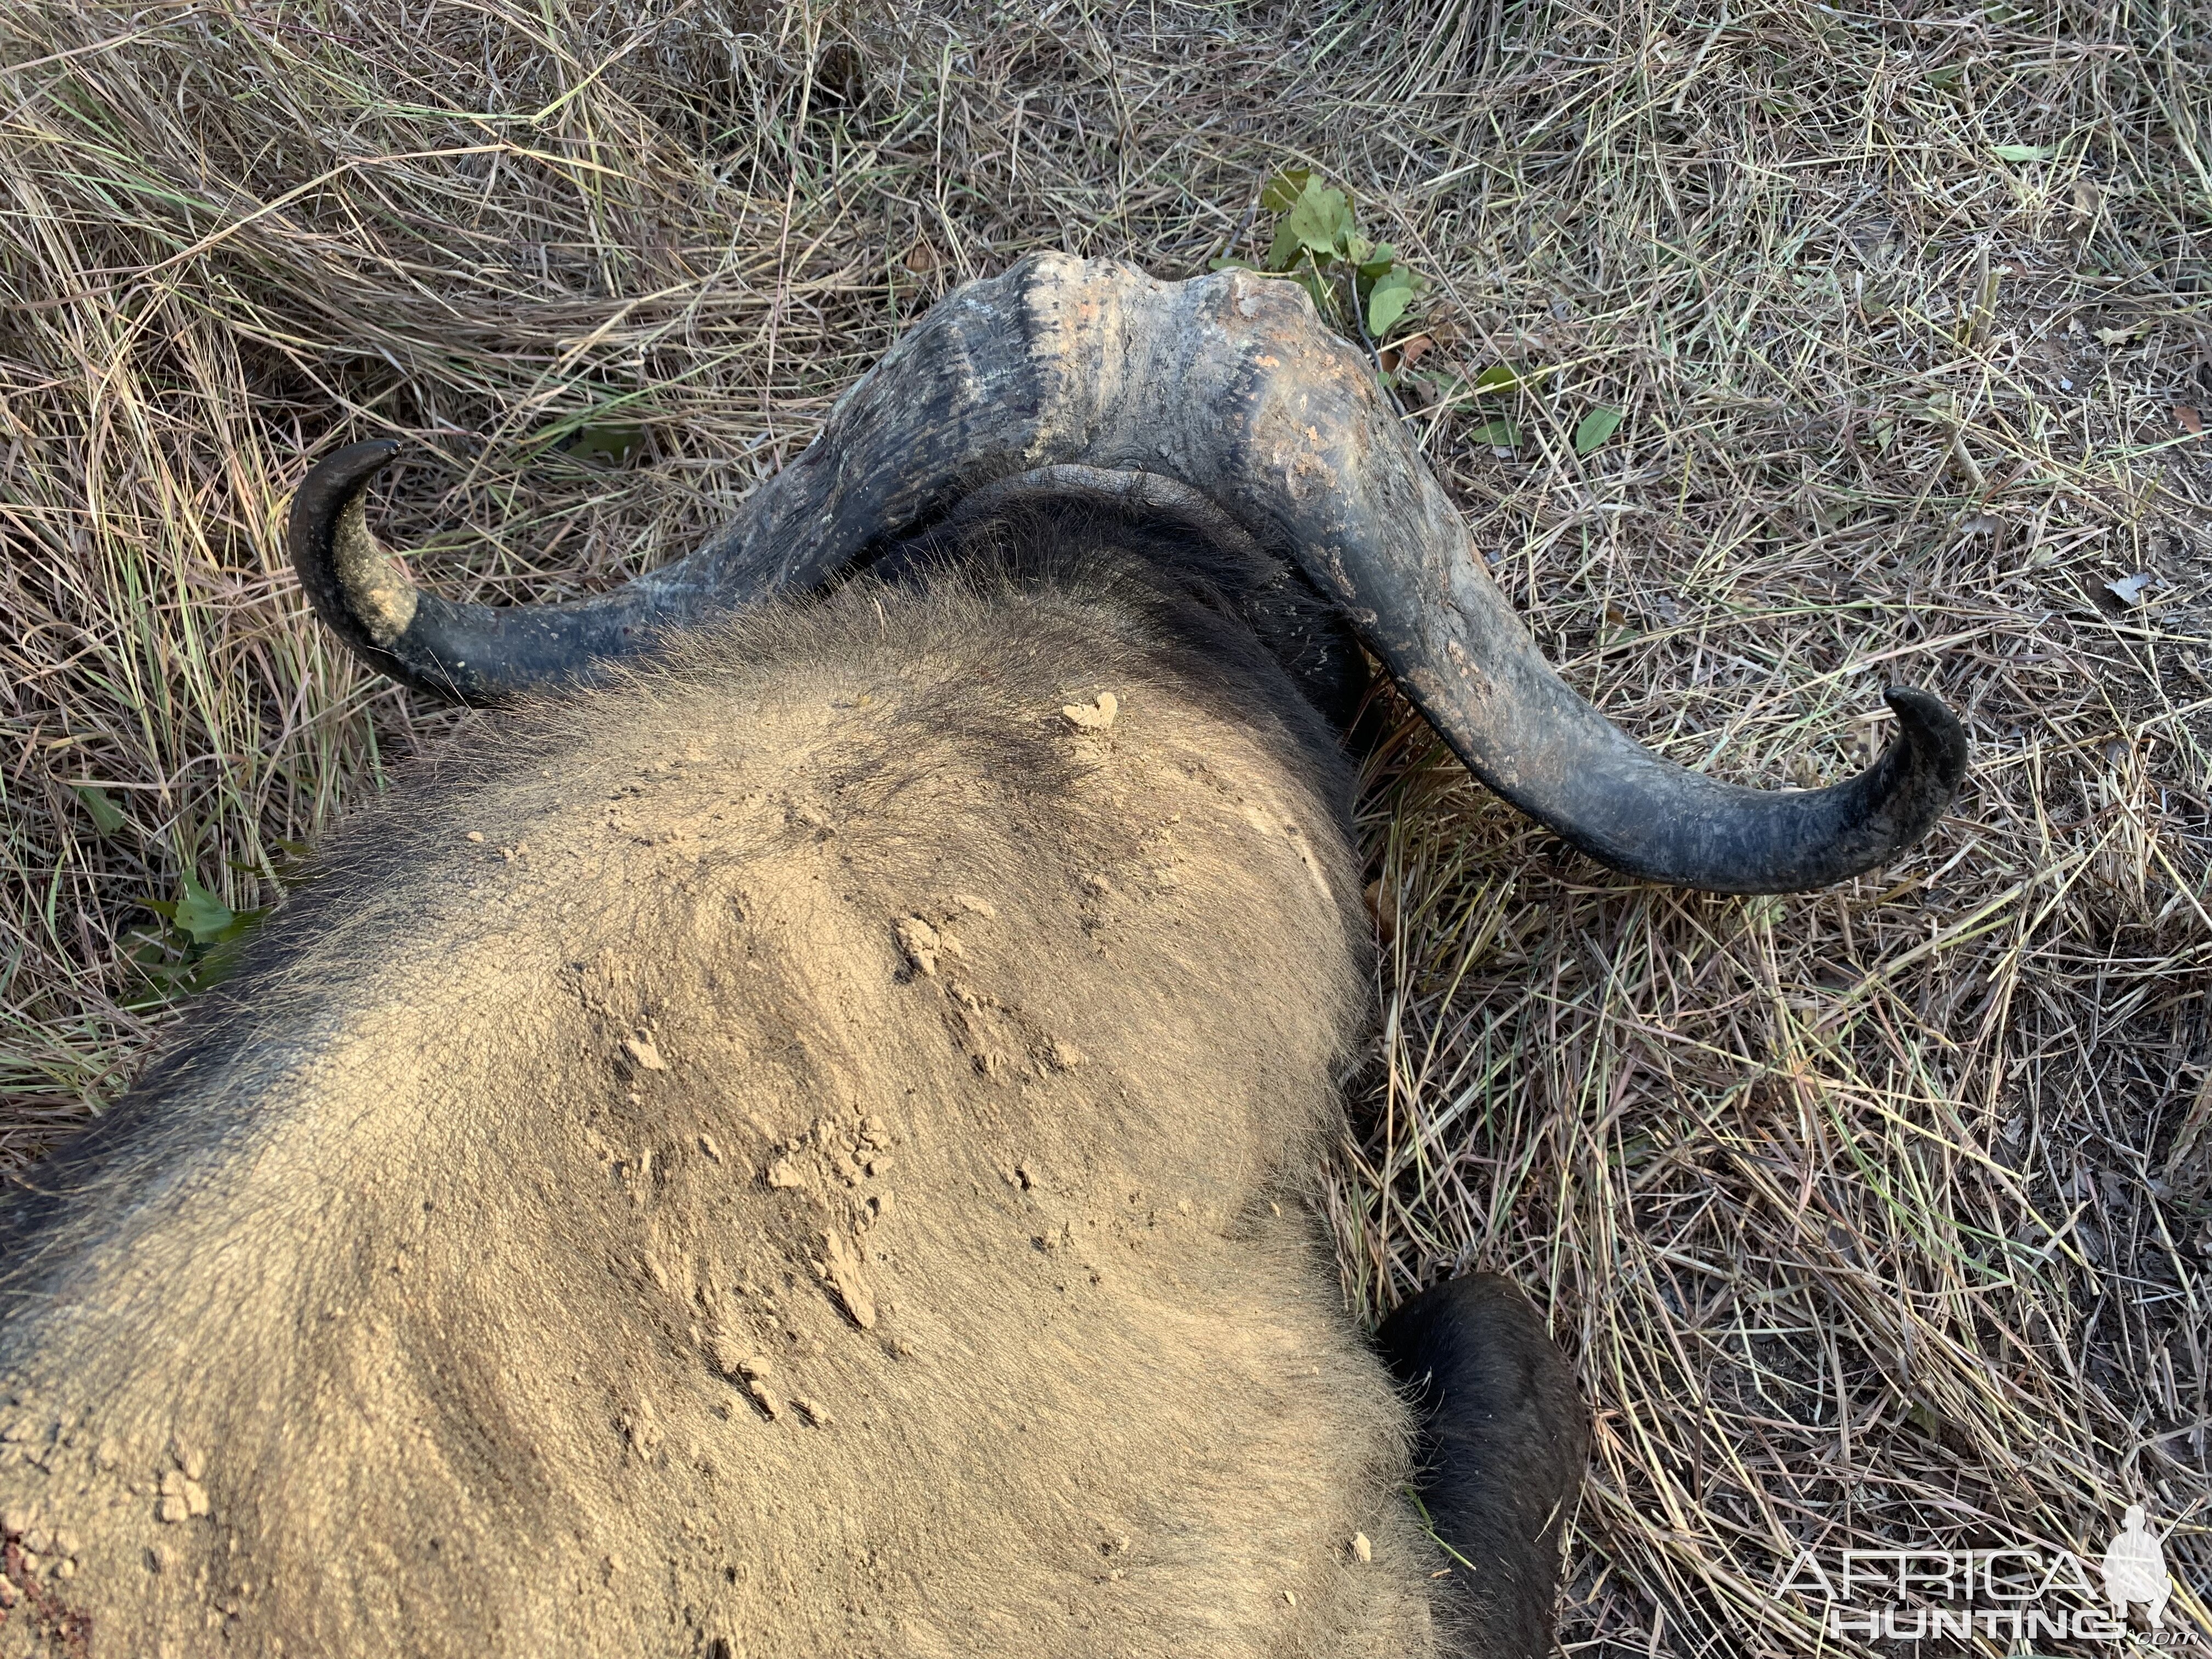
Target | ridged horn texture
(1068,374)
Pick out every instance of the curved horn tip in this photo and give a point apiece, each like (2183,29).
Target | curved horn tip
(455,650)
(1938,740)
(345,470)
(360,592)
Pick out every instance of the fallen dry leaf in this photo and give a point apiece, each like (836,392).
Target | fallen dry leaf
(1382,908)
(2129,590)
(2191,422)
(1405,354)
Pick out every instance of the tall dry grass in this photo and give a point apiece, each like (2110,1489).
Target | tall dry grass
(1873,1217)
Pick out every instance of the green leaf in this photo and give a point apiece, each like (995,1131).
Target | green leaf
(220,959)
(1357,249)
(1223,263)
(613,443)
(1316,285)
(1378,264)
(201,914)
(241,924)
(2022,153)
(1594,428)
(107,817)
(1321,219)
(1500,379)
(1284,249)
(1285,188)
(1388,300)
(1500,433)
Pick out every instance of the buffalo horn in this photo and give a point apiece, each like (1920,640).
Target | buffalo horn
(1229,393)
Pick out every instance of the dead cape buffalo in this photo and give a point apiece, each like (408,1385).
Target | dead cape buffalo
(796,1143)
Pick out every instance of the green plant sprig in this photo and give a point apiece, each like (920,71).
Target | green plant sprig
(1318,244)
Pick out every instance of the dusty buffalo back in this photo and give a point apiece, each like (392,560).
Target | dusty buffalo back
(798,1152)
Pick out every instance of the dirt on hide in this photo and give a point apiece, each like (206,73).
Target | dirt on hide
(820,1174)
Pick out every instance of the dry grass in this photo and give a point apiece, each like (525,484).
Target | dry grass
(1877,1215)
